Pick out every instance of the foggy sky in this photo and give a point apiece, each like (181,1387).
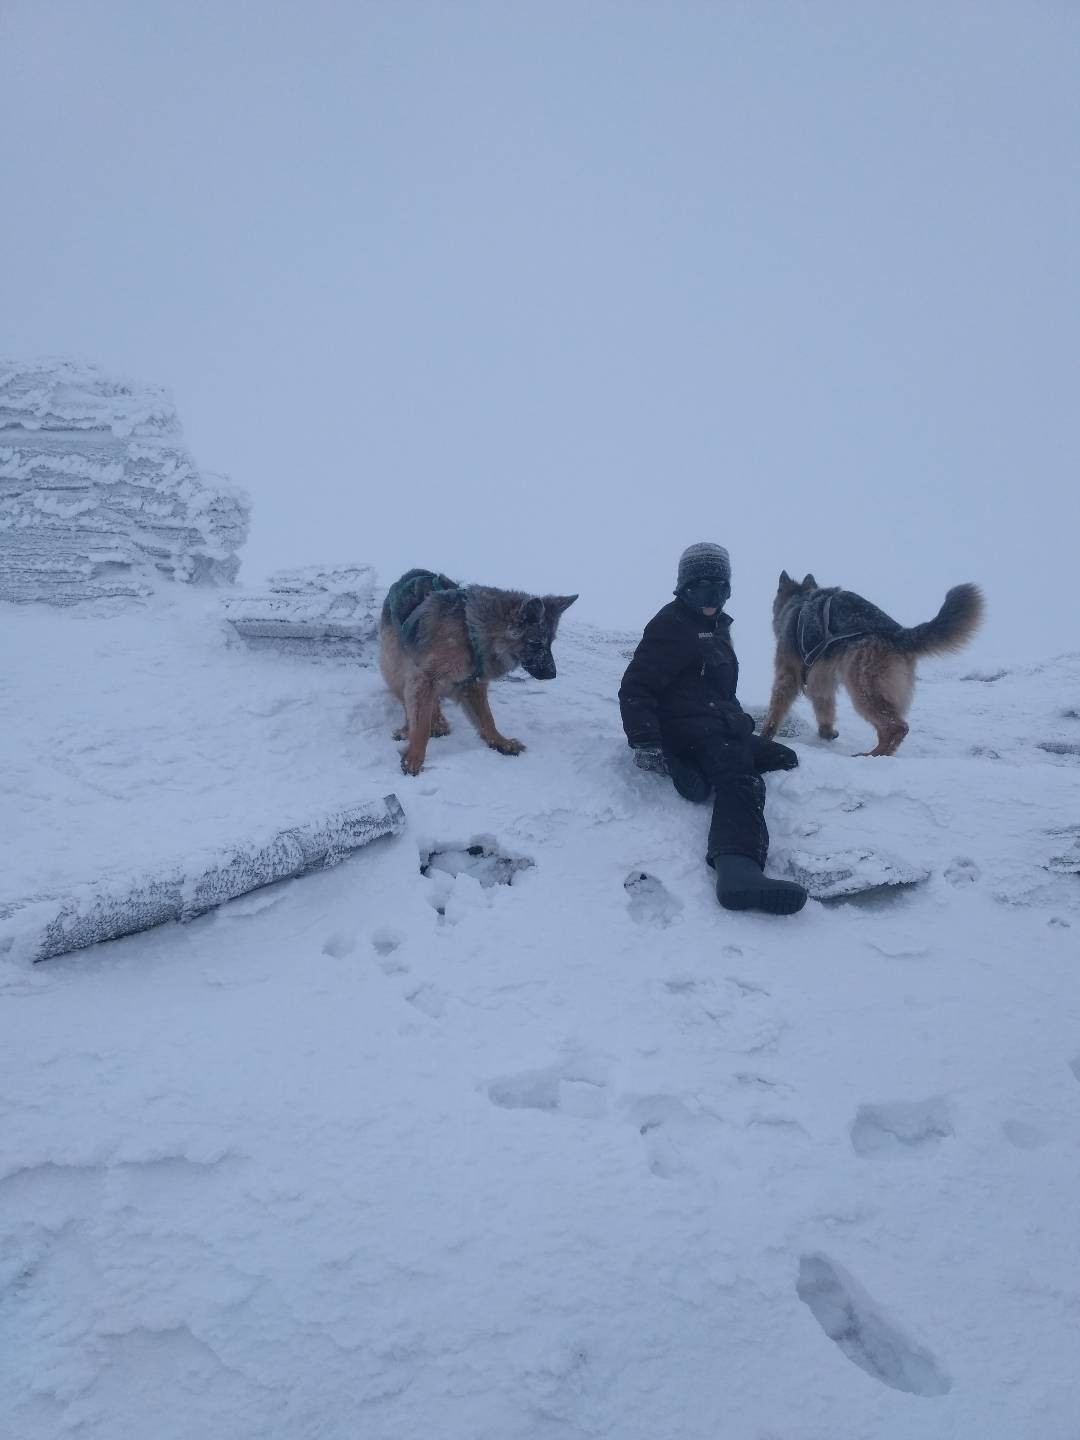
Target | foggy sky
(538,293)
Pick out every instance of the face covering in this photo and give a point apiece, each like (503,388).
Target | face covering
(705,594)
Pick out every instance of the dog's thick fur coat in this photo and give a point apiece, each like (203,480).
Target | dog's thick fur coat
(825,637)
(439,639)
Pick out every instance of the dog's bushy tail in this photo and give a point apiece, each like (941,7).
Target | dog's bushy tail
(951,628)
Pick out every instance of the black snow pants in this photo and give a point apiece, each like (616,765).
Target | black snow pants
(738,818)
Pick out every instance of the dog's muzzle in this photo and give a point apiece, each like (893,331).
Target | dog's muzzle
(540,664)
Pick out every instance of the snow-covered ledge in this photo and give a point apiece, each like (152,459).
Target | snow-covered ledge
(98,494)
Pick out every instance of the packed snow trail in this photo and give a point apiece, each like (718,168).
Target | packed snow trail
(403,1150)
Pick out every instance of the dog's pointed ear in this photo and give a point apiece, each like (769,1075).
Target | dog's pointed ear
(532,610)
(785,579)
(809,583)
(556,604)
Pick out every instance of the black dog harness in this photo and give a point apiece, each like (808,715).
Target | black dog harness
(813,629)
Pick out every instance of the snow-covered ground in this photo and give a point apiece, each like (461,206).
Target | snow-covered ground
(402,1155)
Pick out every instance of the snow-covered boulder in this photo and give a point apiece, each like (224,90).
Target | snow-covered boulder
(840,874)
(98,494)
(315,611)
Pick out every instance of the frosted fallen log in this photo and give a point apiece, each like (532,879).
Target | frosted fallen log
(44,927)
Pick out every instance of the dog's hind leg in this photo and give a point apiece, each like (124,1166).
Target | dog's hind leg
(474,701)
(881,684)
(786,684)
(420,706)
(821,688)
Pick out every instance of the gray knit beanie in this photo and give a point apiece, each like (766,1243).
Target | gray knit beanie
(703,562)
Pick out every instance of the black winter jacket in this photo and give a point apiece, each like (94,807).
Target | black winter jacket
(680,685)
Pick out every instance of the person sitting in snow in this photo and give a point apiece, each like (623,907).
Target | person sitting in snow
(682,719)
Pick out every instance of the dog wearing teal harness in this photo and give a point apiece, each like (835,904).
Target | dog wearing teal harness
(441,639)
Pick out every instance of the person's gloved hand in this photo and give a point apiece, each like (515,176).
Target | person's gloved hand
(688,778)
(651,759)
(771,755)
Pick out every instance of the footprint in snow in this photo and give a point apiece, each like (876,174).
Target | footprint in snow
(855,1323)
(386,941)
(665,1124)
(1023,1135)
(339,944)
(689,986)
(429,1000)
(1074,1065)
(577,1090)
(962,871)
(899,1126)
(650,901)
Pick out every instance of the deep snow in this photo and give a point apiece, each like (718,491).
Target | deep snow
(396,1154)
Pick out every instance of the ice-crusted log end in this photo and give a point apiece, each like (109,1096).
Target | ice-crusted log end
(99,497)
(848,874)
(319,612)
(43,927)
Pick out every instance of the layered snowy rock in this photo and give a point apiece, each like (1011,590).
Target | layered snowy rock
(314,611)
(99,495)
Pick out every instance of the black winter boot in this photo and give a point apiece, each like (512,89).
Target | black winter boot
(741,884)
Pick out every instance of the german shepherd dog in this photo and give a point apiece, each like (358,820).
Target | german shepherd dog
(825,636)
(439,639)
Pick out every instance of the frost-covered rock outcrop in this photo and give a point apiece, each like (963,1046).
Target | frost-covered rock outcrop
(315,611)
(98,494)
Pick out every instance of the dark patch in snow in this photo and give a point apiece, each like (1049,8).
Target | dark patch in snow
(480,860)
(985,677)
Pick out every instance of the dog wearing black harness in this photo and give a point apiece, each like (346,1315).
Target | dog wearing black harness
(826,636)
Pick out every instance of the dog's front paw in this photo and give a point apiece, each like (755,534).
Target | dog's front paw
(507,747)
(410,765)
(827,733)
